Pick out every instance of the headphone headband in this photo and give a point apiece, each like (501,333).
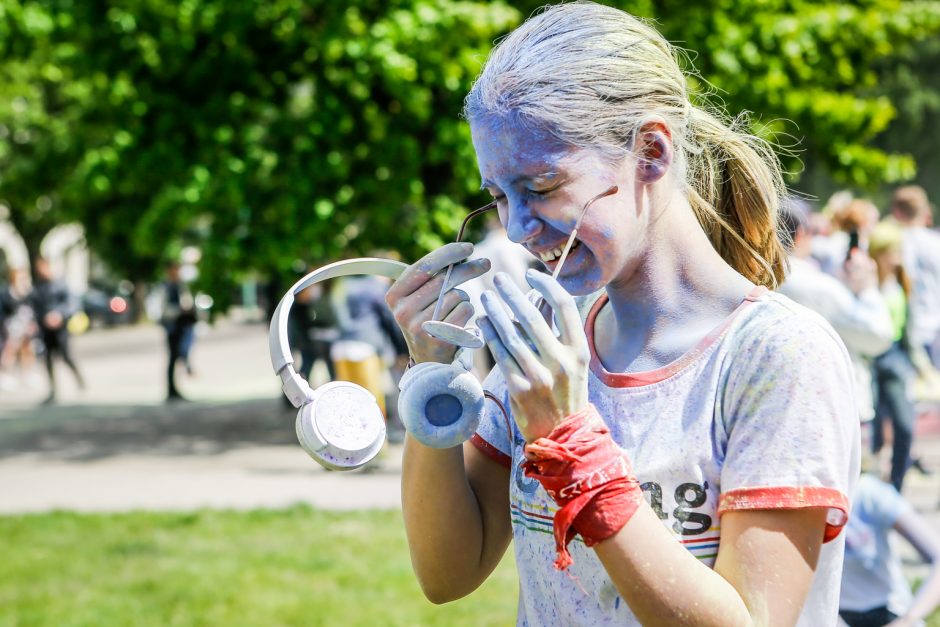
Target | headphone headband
(281,357)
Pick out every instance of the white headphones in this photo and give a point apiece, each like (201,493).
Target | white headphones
(340,424)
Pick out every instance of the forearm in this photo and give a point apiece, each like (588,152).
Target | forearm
(663,583)
(763,572)
(443,521)
(926,600)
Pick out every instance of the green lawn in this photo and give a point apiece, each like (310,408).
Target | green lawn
(262,568)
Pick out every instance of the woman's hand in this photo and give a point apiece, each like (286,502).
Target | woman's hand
(413,296)
(546,376)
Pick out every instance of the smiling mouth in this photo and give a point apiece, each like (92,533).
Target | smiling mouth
(552,255)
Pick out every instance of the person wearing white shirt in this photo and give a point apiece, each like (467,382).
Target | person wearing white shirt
(855,308)
(910,208)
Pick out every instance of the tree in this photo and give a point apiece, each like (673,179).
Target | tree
(37,121)
(268,131)
(913,84)
(808,71)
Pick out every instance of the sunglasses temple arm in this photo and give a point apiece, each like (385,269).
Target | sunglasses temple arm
(450,268)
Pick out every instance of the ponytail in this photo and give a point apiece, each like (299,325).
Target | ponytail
(734,188)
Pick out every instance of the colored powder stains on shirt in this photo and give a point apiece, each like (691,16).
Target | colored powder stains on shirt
(764,415)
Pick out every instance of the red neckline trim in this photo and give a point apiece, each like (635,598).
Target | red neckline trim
(639,379)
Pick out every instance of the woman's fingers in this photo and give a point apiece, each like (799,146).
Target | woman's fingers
(423,270)
(513,340)
(455,308)
(529,319)
(420,285)
(562,303)
(426,296)
(501,355)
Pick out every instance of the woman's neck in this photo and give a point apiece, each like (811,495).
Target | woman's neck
(680,290)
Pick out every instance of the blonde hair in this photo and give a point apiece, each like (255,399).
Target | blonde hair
(888,237)
(591,75)
(885,237)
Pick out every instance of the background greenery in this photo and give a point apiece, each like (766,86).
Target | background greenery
(293,567)
(268,131)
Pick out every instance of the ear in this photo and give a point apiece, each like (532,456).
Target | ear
(654,151)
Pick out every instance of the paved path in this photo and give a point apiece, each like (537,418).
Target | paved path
(116,446)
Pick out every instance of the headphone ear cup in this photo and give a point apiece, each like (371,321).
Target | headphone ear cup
(342,427)
(440,404)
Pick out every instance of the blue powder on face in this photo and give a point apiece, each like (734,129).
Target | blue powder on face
(443,410)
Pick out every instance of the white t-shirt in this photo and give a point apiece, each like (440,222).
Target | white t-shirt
(759,415)
(922,262)
(872,576)
(862,321)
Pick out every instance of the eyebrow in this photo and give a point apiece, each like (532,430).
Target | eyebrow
(543,175)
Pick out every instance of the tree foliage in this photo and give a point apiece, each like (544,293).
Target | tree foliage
(807,71)
(267,131)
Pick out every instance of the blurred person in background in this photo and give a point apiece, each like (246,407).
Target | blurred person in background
(874,590)
(19,327)
(854,308)
(371,349)
(324,326)
(178,318)
(5,382)
(911,210)
(53,305)
(312,327)
(895,370)
(851,222)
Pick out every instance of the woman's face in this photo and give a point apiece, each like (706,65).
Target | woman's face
(541,185)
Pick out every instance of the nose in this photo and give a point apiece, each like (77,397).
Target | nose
(521,222)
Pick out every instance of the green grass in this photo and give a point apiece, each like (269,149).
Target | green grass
(261,568)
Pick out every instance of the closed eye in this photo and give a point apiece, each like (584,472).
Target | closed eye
(541,193)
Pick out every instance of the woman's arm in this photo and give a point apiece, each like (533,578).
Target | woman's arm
(456,507)
(455,501)
(763,572)
(926,540)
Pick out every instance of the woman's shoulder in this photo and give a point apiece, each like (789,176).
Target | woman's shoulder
(774,323)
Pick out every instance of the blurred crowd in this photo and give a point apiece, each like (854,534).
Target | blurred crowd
(34,324)
(875,277)
(39,314)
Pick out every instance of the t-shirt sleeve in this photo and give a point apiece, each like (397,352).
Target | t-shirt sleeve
(493,437)
(791,421)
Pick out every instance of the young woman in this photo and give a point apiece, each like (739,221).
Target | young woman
(894,371)
(679,451)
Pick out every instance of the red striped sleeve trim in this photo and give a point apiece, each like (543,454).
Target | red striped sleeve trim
(791,498)
(491,451)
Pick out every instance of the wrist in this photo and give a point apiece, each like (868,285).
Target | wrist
(590,478)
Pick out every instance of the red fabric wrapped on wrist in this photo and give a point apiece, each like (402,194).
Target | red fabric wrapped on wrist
(588,475)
